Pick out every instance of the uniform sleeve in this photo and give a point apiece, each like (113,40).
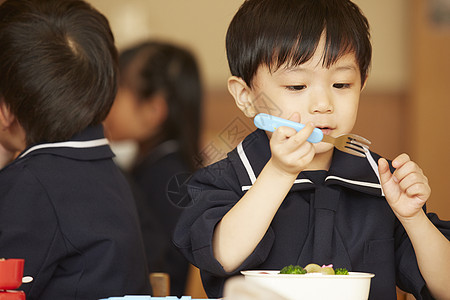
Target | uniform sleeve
(408,275)
(212,192)
(28,229)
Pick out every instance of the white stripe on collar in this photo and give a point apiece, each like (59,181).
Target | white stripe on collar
(374,166)
(247,187)
(361,183)
(71,144)
(369,157)
(246,163)
(355,182)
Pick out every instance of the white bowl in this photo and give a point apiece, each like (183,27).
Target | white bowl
(354,286)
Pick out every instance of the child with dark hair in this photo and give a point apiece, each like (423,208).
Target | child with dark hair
(277,199)
(64,205)
(158,105)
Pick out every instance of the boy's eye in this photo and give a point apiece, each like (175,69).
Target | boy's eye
(341,85)
(296,87)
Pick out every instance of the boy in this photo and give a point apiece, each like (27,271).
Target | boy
(64,206)
(278,200)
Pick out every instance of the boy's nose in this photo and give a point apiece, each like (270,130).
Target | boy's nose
(321,103)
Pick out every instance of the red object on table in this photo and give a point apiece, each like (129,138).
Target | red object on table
(11,273)
(12,295)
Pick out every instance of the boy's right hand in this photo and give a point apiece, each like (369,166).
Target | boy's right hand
(246,223)
(291,152)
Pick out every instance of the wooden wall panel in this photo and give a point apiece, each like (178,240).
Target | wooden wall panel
(427,134)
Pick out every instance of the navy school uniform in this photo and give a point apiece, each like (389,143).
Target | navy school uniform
(149,179)
(339,216)
(68,211)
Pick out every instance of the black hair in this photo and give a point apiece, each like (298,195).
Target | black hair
(159,67)
(58,66)
(278,32)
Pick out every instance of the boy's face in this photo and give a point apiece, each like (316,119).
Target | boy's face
(123,120)
(133,119)
(327,97)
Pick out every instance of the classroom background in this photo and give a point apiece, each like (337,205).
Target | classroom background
(404,108)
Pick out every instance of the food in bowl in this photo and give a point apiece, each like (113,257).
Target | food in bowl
(291,269)
(314,268)
(313,285)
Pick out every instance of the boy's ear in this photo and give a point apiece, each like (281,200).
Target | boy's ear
(242,95)
(6,116)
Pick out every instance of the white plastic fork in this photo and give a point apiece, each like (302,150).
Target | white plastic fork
(349,143)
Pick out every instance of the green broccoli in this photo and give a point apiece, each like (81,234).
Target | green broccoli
(341,271)
(291,269)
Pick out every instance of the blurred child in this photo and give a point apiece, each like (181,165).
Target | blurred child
(277,199)
(158,106)
(64,205)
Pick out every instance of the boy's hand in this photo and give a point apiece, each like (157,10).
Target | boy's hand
(291,152)
(407,189)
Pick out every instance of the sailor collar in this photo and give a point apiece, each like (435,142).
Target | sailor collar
(360,174)
(90,144)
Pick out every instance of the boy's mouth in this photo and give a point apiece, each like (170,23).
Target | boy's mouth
(325,130)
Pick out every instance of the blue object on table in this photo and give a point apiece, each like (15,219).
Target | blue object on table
(271,123)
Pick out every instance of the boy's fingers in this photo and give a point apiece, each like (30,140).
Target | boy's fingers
(283,132)
(303,135)
(400,160)
(419,190)
(409,168)
(287,132)
(415,184)
(383,169)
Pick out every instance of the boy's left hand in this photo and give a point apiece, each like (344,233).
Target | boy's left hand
(407,189)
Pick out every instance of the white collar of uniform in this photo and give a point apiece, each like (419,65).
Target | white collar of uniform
(345,177)
(68,144)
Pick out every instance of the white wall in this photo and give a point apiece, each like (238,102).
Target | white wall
(201,25)
(390,40)
(197,24)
